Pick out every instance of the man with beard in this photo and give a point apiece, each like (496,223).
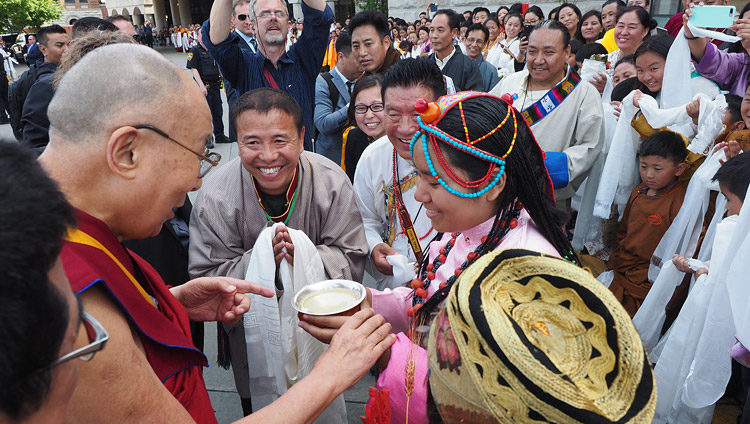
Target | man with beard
(293,71)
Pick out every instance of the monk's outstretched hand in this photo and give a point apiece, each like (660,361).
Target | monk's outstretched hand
(217,298)
(360,341)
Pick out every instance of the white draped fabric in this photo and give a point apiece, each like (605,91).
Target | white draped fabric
(279,352)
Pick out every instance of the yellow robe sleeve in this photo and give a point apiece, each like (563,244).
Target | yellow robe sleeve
(644,129)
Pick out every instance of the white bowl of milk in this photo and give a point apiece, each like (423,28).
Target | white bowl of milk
(330,297)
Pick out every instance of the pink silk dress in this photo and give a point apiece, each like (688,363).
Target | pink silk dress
(392,304)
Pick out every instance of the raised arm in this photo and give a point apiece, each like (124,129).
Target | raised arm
(697,44)
(221,18)
(316,4)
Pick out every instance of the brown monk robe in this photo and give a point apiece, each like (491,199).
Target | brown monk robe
(643,224)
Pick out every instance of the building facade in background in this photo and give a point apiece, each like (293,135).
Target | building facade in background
(74,10)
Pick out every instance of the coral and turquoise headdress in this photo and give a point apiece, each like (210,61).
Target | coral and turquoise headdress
(432,113)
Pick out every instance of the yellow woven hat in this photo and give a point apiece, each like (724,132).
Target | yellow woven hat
(528,338)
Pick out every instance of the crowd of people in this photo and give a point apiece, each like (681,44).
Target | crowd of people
(547,212)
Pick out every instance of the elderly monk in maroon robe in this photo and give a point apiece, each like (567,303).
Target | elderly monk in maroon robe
(124,159)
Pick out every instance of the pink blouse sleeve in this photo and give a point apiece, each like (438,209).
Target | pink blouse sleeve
(392,305)
(393,379)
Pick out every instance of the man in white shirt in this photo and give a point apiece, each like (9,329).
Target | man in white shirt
(388,158)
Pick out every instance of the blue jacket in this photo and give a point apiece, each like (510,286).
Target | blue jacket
(297,68)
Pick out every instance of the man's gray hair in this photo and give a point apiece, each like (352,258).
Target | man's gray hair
(252,9)
(114,85)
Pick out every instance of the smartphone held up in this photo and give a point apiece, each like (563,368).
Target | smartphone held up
(712,16)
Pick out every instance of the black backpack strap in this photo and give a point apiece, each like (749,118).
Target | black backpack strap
(333,92)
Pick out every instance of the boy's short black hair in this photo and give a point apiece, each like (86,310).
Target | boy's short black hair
(587,50)
(480,9)
(734,175)
(734,103)
(665,144)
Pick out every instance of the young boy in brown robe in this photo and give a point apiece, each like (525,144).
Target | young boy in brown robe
(652,207)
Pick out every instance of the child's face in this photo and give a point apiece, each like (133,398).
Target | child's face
(650,68)
(734,203)
(658,172)
(731,124)
(745,108)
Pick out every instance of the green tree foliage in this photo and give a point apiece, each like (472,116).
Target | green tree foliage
(381,5)
(15,15)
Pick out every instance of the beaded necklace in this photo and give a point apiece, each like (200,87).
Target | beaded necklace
(428,272)
(291,200)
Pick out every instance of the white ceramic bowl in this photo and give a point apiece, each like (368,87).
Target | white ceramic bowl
(332,304)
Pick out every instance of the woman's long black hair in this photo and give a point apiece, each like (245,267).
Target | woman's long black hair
(526,176)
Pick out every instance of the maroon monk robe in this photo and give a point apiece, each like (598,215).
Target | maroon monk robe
(164,332)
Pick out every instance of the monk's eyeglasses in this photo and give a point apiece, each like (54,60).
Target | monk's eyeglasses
(208,159)
(97,335)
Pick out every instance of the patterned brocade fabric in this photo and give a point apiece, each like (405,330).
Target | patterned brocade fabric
(528,338)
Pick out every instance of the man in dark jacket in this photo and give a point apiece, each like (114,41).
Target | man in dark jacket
(53,42)
(372,43)
(461,69)
(243,26)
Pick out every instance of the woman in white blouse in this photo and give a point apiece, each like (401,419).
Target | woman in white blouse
(510,45)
